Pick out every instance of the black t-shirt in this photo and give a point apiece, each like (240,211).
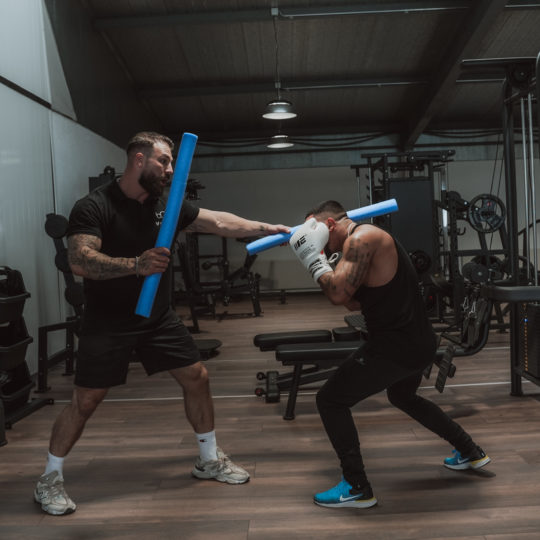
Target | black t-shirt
(126,229)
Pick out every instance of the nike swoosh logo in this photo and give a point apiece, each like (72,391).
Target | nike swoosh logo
(462,460)
(344,499)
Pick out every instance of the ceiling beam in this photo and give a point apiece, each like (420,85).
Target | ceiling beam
(523,4)
(212,88)
(189,18)
(375,8)
(475,27)
(266,14)
(321,130)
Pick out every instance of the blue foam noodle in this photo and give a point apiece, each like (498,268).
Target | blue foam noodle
(170,219)
(366,212)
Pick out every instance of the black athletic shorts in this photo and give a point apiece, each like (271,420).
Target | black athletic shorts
(104,355)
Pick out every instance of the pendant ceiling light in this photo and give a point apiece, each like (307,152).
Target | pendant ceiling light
(278,109)
(279,141)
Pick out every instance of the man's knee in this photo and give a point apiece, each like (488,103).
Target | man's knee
(190,377)
(86,400)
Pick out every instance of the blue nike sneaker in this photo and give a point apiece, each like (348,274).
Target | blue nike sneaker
(344,495)
(474,461)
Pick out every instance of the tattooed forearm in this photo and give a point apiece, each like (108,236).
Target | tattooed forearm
(327,284)
(86,260)
(228,225)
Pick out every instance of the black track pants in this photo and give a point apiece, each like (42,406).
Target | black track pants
(358,379)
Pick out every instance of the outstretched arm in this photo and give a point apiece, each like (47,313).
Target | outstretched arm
(231,225)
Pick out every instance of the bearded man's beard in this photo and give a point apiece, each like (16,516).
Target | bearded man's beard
(154,184)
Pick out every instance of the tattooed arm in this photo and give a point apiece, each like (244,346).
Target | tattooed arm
(339,286)
(369,258)
(86,260)
(231,225)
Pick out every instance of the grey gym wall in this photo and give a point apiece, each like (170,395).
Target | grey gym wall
(45,159)
(274,196)
(283,195)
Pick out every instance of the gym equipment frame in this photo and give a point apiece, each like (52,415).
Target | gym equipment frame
(520,87)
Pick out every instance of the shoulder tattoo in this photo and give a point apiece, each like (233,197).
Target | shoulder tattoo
(359,253)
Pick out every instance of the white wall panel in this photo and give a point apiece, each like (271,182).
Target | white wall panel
(26,188)
(78,154)
(59,91)
(22,52)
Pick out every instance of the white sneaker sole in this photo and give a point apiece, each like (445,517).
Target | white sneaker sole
(470,464)
(51,511)
(349,504)
(201,475)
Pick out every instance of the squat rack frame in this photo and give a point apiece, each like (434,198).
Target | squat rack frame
(521,82)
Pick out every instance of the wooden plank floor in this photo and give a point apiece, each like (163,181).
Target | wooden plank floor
(130,472)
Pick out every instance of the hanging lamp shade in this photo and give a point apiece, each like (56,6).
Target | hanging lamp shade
(279,110)
(279,141)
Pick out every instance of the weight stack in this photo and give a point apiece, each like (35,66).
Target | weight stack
(529,339)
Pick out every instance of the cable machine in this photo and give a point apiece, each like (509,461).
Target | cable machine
(520,91)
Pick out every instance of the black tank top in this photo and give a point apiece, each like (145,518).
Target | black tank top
(396,319)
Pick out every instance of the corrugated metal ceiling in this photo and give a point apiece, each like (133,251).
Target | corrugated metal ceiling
(210,66)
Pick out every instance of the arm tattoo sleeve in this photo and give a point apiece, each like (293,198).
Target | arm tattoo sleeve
(83,253)
(327,284)
(359,254)
(341,285)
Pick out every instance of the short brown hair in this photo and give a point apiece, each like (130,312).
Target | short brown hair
(330,208)
(144,142)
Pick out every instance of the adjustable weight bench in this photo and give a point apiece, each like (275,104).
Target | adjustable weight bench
(324,357)
(268,342)
(313,348)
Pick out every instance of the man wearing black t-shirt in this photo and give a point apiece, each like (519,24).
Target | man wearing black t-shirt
(111,238)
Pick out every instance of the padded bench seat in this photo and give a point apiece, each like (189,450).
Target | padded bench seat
(316,353)
(325,356)
(511,294)
(268,342)
(346,333)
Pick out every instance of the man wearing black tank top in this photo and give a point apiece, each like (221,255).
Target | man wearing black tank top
(376,276)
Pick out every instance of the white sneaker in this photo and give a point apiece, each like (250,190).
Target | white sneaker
(50,493)
(221,469)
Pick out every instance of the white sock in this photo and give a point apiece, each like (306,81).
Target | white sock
(54,464)
(207,445)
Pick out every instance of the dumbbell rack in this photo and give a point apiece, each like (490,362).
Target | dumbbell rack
(15,380)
